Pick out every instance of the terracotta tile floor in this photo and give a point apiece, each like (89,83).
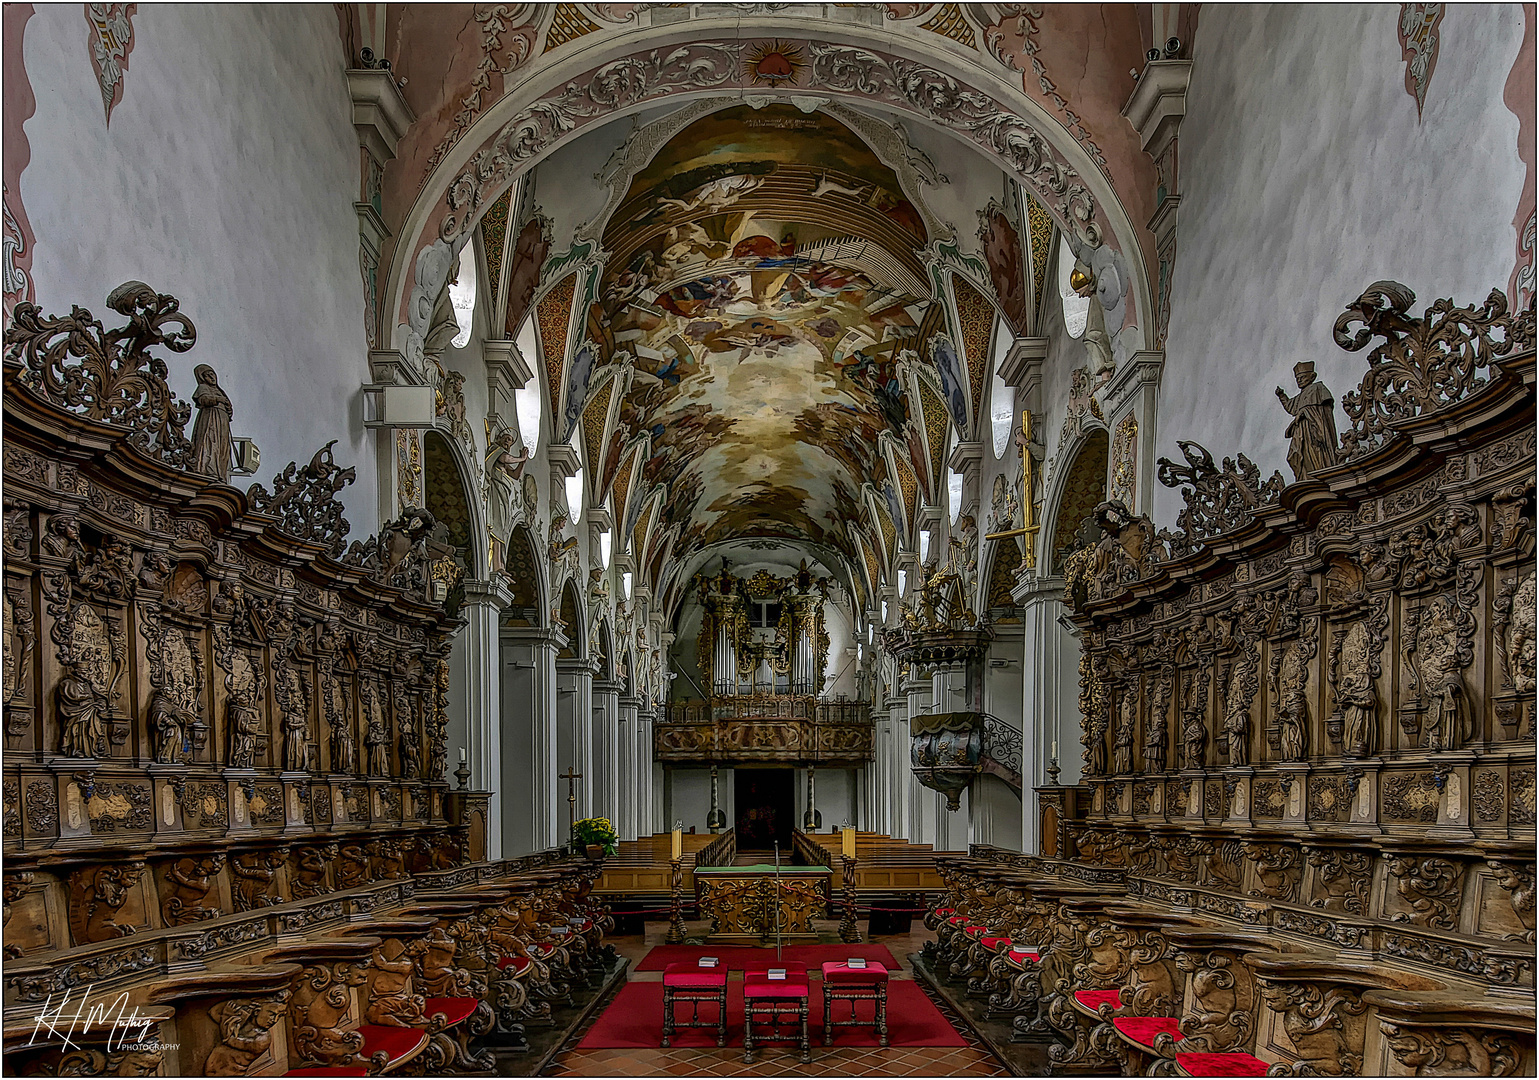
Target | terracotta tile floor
(781,1060)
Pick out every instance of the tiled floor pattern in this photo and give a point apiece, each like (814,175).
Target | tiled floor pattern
(780,1059)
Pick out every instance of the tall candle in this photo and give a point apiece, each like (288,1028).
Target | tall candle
(849,842)
(1055,749)
(678,844)
(462,755)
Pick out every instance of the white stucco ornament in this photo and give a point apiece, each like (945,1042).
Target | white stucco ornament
(433,264)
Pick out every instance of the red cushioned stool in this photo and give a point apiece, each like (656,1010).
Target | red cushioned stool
(688,982)
(854,984)
(769,1000)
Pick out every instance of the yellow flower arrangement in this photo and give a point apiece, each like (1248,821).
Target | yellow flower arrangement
(597,830)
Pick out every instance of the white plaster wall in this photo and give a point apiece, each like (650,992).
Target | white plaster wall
(226,179)
(1306,176)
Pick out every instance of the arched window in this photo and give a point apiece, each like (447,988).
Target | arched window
(462,295)
(1001,396)
(574,490)
(1076,308)
(526,398)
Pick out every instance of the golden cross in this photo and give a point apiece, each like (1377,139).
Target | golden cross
(1029,527)
(570,776)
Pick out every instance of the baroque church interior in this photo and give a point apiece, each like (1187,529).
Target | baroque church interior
(764,539)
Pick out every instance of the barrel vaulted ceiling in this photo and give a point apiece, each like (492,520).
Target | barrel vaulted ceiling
(766,327)
(764,274)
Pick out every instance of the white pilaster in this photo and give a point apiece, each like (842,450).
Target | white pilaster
(530,806)
(475,703)
(574,736)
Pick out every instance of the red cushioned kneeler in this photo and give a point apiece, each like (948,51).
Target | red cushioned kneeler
(844,983)
(1092,999)
(768,1000)
(1143,1029)
(454,1009)
(1232,1064)
(399,1044)
(694,984)
(517,963)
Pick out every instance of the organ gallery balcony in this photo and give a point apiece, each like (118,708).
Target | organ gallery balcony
(791,729)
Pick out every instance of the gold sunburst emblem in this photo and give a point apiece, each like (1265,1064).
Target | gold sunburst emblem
(774,62)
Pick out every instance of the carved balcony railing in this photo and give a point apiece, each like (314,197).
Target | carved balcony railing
(785,728)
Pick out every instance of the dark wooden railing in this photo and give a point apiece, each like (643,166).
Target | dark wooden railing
(719,852)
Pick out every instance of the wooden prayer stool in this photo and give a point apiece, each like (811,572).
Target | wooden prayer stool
(844,983)
(768,1000)
(694,984)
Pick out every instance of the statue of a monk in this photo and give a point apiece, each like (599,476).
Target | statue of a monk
(1312,432)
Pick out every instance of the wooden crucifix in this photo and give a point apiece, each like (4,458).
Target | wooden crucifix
(571,777)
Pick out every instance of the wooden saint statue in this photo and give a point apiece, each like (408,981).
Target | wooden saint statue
(211,430)
(1312,432)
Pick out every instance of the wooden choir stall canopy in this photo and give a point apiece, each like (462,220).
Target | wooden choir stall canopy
(224,780)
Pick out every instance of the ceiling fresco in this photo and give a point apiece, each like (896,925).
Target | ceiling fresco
(765,279)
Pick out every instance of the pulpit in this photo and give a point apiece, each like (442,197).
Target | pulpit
(743,902)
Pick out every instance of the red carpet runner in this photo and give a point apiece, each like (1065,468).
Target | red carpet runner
(635,1020)
(736,957)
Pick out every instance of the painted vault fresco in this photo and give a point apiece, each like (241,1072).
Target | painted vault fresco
(766,281)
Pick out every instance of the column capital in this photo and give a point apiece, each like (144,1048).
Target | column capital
(563,459)
(1137,371)
(503,359)
(1158,103)
(494,593)
(1022,365)
(966,456)
(534,636)
(577,665)
(380,112)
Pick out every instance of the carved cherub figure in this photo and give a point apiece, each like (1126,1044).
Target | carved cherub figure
(245,1031)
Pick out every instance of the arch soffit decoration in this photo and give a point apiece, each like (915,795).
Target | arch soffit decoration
(577,641)
(1052,503)
(477,554)
(522,564)
(1015,117)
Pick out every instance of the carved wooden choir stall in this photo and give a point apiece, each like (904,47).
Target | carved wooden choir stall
(224,792)
(1304,843)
